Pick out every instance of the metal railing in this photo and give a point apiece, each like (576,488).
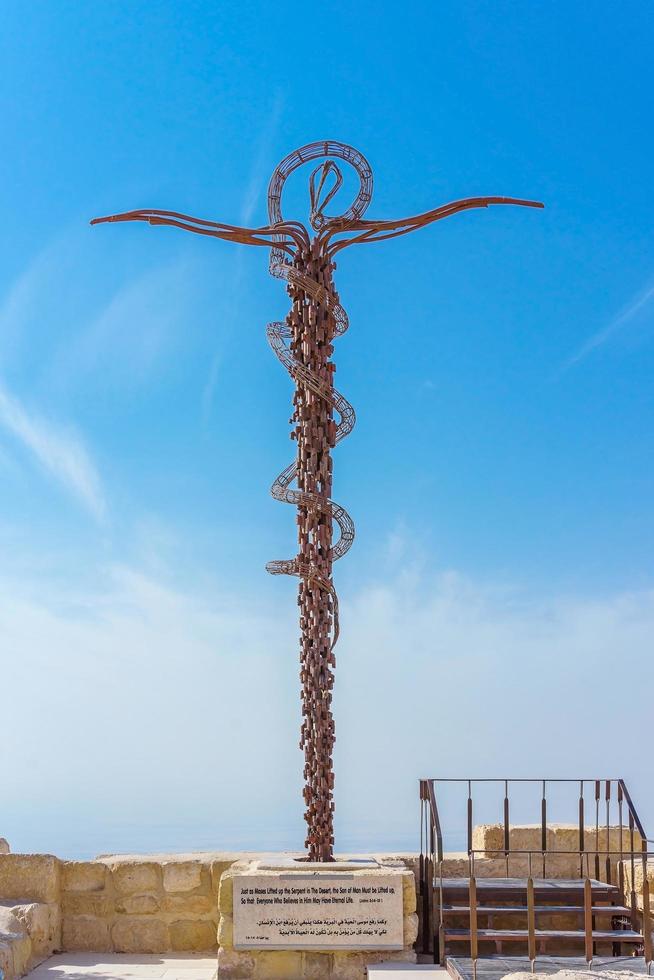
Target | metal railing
(608,795)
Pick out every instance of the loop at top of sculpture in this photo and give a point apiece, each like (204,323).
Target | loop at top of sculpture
(315,151)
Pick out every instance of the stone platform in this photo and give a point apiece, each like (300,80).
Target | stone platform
(114,966)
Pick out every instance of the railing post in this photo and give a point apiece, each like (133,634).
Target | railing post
(597,803)
(424,881)
(531,923)
(474,946)
(431,919)
(588,922)
(581,828)
(607,796)
(632,863)
(441,931)
(469,816)
(543,826)
(621,866)
(647,924)
(507,841)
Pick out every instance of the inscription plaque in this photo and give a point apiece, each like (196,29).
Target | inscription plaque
(321,911)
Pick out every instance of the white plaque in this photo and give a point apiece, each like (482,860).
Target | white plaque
(322,911)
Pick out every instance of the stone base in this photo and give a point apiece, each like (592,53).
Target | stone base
(288,964)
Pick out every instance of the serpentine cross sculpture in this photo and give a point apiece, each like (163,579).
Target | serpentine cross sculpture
(303,343)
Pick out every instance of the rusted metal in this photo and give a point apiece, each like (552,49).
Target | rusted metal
(472,893)
(597,808)
(647,920)
(304,258)
(469,818)
(607,798)
(507,844)
(633,899)
(588,921)
(620,921)
(531,922)
(581,828)
(543,825)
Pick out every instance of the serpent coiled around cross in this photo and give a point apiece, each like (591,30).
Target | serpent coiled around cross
(303,342)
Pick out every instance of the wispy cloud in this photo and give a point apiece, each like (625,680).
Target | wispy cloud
(261,165)
(618,323)
(130,337)
(260,171)
(59,452)
(22,304)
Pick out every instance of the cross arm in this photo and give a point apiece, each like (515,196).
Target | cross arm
(377,231)
(283,235)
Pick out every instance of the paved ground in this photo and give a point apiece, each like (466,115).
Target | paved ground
(115,966)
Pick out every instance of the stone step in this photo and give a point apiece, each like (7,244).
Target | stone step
(398,971)
(551,889)
(521,935)
(538,910)
(127,966)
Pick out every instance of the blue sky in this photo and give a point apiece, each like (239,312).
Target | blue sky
(500,475)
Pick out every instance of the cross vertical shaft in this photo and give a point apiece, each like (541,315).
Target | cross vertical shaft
(312,332)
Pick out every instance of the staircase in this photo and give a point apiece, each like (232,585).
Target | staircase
(484,916)
(591,902)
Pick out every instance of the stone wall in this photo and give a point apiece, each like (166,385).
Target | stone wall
(30,913)
(141,904)
(128,903)
(561,838)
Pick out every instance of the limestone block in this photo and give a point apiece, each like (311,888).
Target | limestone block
(88,903)
(560,837)
(9,923)
(137,905)
(487,837)
(217,869)
(86,933)
(193,934)
(349,966)
(42,923)
(408,894)
(226,931)
(135,934)
(564,837)
(83,876)
(611,841)
(6,959)
(557,865)
(402,956)
(190,904)
(182,876)
(235,966)
(316,966)
(21,950)
(4,846)
(638,881)
(31,876)
(410,929)
(458,865)
(226,894)
(280,965)
(136,877)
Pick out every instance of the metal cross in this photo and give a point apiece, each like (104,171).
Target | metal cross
(303,342)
